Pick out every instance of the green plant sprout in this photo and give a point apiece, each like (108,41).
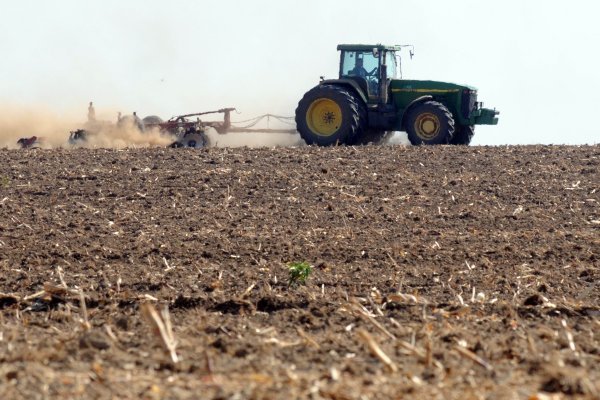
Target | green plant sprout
(299,273)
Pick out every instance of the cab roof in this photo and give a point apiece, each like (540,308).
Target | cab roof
(367,47)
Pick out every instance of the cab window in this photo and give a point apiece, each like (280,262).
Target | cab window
(360,63)
(392,68)
(362,66)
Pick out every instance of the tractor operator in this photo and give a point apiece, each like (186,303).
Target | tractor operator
(358,69)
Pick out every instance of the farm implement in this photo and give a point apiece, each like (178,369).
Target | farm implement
(187,130)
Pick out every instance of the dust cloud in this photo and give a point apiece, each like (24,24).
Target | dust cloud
(20,122)
(253,139)
(53,129)
(398,138)
(268,139)
(108,135)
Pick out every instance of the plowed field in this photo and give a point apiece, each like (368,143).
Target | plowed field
(437,272)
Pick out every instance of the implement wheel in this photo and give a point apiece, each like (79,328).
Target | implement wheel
(196,140)
(463,135)
(429,123)
(330,115)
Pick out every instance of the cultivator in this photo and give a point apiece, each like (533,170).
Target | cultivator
(192,133)
(188,130)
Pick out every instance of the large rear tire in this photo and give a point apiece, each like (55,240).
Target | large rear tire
(330,115)
(429,123)
(463,135)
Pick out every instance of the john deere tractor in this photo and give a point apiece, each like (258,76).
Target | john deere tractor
(368,101)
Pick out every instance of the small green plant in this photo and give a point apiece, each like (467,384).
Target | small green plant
(4,181)
(299,273)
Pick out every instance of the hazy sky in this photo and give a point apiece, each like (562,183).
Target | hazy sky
(537,62)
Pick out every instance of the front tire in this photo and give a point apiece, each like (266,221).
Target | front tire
(330,115)
(430,123)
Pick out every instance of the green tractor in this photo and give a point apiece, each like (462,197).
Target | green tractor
(368,102)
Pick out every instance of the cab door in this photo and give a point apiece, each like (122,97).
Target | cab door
(362,67)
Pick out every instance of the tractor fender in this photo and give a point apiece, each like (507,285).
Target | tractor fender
(349,84)
(413,103)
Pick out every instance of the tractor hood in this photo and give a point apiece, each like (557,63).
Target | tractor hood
(460,100)
(427,87)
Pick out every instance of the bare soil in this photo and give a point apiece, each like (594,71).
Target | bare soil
(438,272)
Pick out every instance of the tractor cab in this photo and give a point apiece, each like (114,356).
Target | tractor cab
(371,67)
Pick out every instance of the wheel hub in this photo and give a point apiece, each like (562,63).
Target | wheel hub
(324,117)
(427,126)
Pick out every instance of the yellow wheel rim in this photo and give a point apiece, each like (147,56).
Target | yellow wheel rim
(324,117)
(427,126)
